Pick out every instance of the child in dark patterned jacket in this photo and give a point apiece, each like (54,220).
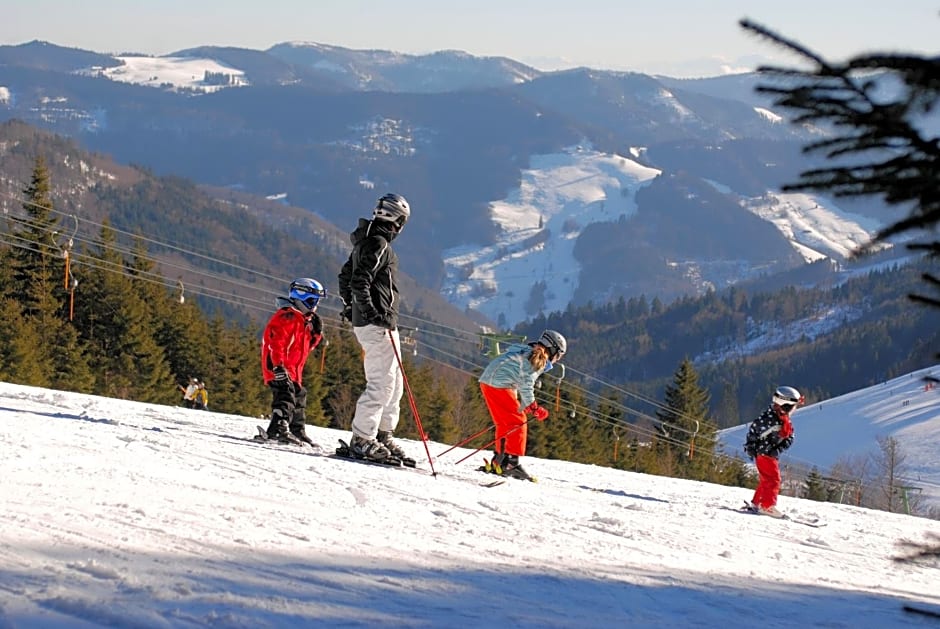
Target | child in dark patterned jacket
(768,436)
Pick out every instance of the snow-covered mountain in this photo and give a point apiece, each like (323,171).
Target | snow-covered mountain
(561,194)
(123,514)
(522,199)
(538,224)
(187,73)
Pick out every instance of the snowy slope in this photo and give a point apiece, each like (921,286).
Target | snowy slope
(129,515)
(176,72)
(562,192)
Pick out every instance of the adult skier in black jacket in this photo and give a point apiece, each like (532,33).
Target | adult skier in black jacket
(369,289)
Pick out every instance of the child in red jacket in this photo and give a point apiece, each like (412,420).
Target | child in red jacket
(289,337)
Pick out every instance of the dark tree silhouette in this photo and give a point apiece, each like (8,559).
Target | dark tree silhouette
(876,146)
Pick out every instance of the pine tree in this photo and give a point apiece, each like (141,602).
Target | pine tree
(34,281)
(437,413)
(685,431)
(814,487)
(116,321)
(20,350)
(71,368)
(59,358)
(180,329)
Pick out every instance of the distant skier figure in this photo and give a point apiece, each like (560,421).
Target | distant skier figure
(189,393)
(201,398)
(508,386)
(768,436)
(289,337)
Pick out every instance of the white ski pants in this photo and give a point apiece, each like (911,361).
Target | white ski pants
(379,405)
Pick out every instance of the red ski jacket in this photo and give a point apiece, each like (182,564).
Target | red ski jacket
(288,339)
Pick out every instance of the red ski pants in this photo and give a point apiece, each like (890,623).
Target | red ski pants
(510,421)
(768,488)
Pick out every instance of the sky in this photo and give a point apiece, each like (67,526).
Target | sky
(129,515)
(667,37)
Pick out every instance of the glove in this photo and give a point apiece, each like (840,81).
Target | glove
(540,413)
(316,324)
(346,314)
(381,320)
(280,374)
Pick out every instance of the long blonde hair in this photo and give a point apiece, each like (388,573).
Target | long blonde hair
(538,357)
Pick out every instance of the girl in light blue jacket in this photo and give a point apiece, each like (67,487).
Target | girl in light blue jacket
(508,387)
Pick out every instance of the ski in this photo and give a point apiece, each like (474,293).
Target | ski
(816,524)
(746,509)
(345,452)
(273,444)
(262,437)
(797,520)
(491,467)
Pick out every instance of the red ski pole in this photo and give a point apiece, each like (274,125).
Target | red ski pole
(466,441)
(411,401)
(492,442)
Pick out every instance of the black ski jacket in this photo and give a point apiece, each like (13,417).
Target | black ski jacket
(368,280)
(764,434)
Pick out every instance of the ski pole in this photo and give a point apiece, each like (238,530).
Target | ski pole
(493,441)
(411,401)
(467,440)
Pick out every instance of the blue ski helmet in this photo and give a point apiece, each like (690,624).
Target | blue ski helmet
(307,291)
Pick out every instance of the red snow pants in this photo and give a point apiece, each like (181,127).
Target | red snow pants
(509,420)
(768,488)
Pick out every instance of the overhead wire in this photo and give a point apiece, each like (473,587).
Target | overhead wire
(452,334)
(431,328)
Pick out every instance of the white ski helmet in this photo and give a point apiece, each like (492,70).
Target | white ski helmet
(787,398)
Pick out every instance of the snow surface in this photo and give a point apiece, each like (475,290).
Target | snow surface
(131,515)
(178,72)
(816,226)
(849,425)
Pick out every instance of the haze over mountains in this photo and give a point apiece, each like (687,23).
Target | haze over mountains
(476,144)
